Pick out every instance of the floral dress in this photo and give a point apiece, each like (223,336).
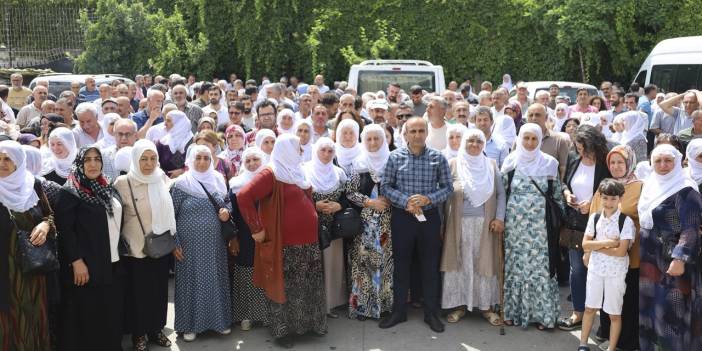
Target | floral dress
(370,256)
(530,294)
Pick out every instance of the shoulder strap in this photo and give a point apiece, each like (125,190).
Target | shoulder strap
(131,193)
(212,200)
(622,219)
(510,176)
(43,201)
(597,219)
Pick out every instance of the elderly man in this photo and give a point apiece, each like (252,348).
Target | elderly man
(305,106)
(416,180)
(32,110)
(124,107)
(450,97)
(320,118)
(556,144)
(89,92)
(47,107)
(45,83)
(495,148)
(17,96)
(436,131)
(151,114)
(75,88)
(179,94)
(461,113)
(683,116)
(125,133)
(485,98)
(522,96)
(64,108)
(266,113)
(376,109)
(686,135)
(88,132)
(319,82)
(504,124)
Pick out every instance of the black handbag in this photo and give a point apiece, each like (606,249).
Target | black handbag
(155,245)
(347,224)
(229,229)
(554,219)
(36,259)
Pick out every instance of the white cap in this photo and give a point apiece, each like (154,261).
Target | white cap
(377,103)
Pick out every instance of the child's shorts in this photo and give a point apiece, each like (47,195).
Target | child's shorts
(611,289)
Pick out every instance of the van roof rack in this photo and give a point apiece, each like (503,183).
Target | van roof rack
(395,62)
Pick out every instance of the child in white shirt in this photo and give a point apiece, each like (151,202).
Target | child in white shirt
(608,237)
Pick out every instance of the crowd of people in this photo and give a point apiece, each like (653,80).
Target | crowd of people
(464,202)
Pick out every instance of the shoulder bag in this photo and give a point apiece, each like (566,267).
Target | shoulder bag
(229,229)
(347,222)
(155,245)
(42,258)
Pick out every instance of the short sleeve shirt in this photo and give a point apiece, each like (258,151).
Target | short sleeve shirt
(608,229)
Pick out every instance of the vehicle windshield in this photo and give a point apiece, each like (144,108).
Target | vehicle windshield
(374,81)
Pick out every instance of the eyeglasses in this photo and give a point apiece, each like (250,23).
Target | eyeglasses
(404,116)
(123,135)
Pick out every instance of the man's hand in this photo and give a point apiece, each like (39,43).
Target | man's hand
(419,200)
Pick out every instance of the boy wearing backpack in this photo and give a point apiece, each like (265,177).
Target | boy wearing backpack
(608,237)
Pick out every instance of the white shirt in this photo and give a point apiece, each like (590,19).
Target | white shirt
(26,114)
(436,137)
(249,122)
(82,138)
(9,114)
(114,226)
(608,229)
(582,182)
(222,114)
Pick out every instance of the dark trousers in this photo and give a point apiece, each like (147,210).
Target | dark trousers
(408,233)
(146,294)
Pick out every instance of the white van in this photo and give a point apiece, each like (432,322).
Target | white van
(674,65)
(375,75)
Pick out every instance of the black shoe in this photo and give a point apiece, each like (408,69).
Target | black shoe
(139,343)
(285,342)
(392,320)
(434,323)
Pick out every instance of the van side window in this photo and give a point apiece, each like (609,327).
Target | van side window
(676,78)
(641,78)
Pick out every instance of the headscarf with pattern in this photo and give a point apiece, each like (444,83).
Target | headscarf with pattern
(96,191)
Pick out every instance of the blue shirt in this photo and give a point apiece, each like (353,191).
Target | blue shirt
(88,96)
(645,107)
(142,116)
(496,150)
(407,174)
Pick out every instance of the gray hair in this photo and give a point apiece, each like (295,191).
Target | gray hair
(484,94)
(153,91)
(483,110)
(439,100)
(541,93)
(126,121)
(87,107)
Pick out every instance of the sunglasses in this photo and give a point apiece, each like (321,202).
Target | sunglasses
(404,116)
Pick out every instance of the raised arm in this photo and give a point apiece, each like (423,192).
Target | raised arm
(668,104)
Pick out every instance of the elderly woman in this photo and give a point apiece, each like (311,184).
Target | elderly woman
(234,138)
(285,121)
(621,162)
(454,134)
(514,110)
(303,130)
(328,184)
(89,218)
(23,207)
(172,146)
(265,139)
(670,286)
(474,215)
(201,278)
(694,161)
(585,170)
(248,302)
(634,133)
(210,139)
(148,208)
(531,251)
(288,261)
(63,150)
(561,113)
(370,256)
(347,145)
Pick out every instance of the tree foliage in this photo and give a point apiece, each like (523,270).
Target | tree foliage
(530,39)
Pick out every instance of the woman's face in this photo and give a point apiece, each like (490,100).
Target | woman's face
(348,137)
(148,162)
(454,141)
(92,164)
(205,126)
(570,128)
(44,126)
(510,112)
(617,166)
(286,122)
(530,141)
(560,112)
(202,162)
(325,154)
(663,164)
(235,141)
(168,123)
(58,148)
(580,148)
(267,145)
(303,132)
(252,163)
(373,142)
(7,166)
(597,103)
(618,126)
(474,146)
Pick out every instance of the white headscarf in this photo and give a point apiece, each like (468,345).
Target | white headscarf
(191,179)
(658,187)
(373,162)
(532,163)
(286,161)
(475,172)
(634,126)
(323,177)
(17,189)
(306,148)
(506,82)
(33,159)
(162,212)
(694,168)
(123,159)
(261,136)
(62,166)
(279,120)
(238,182)
(459,129)
(107,139)
(345,156)
(180,134)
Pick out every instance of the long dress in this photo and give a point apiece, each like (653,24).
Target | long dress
(670,308)
(530,295)
(201,279)
(370,256)
(25,326)
(333,255)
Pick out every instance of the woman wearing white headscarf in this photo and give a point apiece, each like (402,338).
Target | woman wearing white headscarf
(506,82)
(202,299)
(286,121)
(287,262)
(172,146)
(249,304)
(328,183)
(531,251)
(694,161)
(670,288)
(303,129)
(347,145)
(147,187)
(454,134)
(123,160)
(23,300)
(265,139)
(63,150)
(634,133)
(107,125)
(474,215)
(370,255)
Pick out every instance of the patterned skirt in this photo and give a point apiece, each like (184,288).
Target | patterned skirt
(248,301)
(305,309)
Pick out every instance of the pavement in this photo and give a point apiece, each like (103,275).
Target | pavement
(472,333)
